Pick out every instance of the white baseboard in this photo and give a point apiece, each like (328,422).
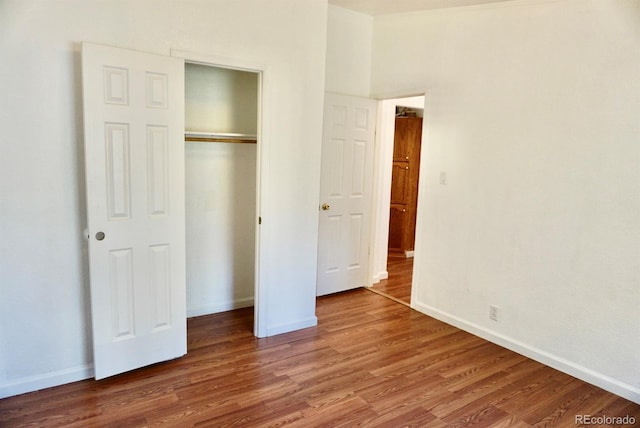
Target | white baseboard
(379,277)
(583,373)
(46,380)
(74,374)
(214,309)
(286,328)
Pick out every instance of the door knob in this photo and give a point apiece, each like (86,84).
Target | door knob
(326,207)
(100,236)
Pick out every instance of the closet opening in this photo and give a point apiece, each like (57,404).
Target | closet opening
(221,181)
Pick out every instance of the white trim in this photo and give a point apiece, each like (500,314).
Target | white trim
(46,380)
(380,276)
(392,95)
(214,309)
(583,373)
(260,310)
(222,61)
(298,325)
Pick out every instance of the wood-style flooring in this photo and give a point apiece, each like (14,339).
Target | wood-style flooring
(370,362)
(398,285)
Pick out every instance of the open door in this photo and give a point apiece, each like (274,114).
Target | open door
(134,157)
(345,193)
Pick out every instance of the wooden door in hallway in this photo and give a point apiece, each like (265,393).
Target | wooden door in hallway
(404,184)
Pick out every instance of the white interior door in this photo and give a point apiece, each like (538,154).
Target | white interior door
(134,154)
(345,193)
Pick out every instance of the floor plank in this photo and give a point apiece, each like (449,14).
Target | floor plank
(369,362)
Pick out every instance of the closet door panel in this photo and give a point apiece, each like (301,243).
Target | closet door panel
(397,216)
(400,183)
(134,168)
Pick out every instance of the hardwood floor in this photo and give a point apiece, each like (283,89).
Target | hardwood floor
(398,285)
(369,362)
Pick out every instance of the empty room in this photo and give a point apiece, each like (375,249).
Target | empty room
(214,183)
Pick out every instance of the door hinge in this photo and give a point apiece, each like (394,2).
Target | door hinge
(259,220)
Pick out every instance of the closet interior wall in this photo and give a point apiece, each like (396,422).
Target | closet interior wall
(220,189)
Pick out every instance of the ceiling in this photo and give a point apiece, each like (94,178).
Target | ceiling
(385,7)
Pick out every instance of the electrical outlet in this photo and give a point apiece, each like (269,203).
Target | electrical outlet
(493,313)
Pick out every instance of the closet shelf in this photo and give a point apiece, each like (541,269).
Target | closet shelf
(218,137)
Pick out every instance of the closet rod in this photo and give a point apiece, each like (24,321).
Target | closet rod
(216,137)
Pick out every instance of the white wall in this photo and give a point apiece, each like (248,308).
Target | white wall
(349,38)
(44,310)
(533,113)
(220,100)
(220,213)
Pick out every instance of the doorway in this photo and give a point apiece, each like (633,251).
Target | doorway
(221,164)
(400,130)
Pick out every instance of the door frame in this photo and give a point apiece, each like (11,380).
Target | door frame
(262,70)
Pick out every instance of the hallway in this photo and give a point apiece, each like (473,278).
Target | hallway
(398,285)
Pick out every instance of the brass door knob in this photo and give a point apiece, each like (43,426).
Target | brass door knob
(326,207)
